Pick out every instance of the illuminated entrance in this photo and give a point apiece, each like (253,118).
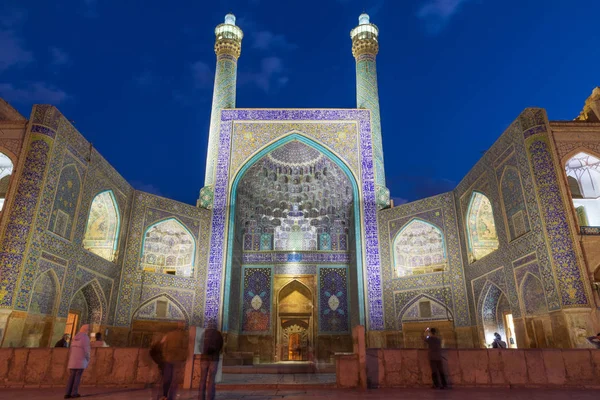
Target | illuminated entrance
(293,256)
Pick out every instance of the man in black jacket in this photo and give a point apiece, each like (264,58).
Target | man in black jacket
(209,362)
(435,358)
(63,342)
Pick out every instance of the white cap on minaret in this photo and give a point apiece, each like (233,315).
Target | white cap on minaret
(230,19)
(364,19)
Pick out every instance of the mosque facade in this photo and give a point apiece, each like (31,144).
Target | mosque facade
(294,239)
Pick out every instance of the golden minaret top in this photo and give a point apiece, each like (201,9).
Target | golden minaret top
(228,37)
(364,37)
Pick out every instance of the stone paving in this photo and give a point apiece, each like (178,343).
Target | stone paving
(380,394)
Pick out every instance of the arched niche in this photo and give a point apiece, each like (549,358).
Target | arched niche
(277,209)
(495,314)
(169,248)
(103,225)
(533,296)
(65,201)
(45,294)
(293,197)
(88,305)
(37,331)
(583,177)
(295,298)
(481,227)
(513,200)
(419,247)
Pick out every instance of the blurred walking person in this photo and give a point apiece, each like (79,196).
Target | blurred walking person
(79,357)
(209,362)
(174,346)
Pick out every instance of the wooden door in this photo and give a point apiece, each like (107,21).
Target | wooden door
(294,349)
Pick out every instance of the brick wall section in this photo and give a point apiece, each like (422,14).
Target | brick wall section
(122,367)
(482,367)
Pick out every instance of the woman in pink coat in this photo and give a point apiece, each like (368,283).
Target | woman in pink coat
(79,357)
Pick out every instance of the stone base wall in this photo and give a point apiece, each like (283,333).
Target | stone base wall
(412,337)
(47,367)
(483,367)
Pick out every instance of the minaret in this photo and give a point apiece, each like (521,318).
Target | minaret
(365,46)
(228,46)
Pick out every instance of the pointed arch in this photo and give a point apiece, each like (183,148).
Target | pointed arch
(294,285)
(424,307)
(152,309)
(293,134)
(533,296)
(491,304)
(232,206)
(66,200)
(419,247)
(44,297)
(97,306)
(103,226)
(481,227)
(168,247)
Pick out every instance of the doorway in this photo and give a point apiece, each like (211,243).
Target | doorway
(294,314)
(294,347)
(72,324)
(509,325)
(294,340)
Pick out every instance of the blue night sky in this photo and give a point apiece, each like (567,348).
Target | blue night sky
(136,76)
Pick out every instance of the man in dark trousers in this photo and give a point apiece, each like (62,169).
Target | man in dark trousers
(435,358)
(209,362)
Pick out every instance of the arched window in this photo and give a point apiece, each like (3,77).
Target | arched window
(6,170)
(102,230)
(168,248)
(583,176)
(419,248)
(481,228)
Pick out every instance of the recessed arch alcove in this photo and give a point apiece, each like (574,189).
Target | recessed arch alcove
(294,201)
(494,314)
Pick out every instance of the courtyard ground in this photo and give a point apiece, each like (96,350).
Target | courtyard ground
(425,394)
